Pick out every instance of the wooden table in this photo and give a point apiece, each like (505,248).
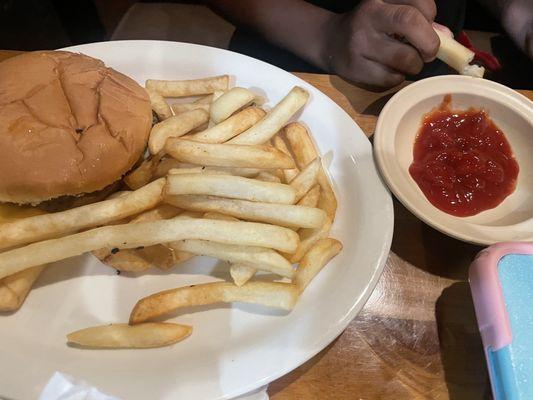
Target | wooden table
(416,337)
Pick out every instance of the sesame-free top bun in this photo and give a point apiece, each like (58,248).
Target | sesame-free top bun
(68,125)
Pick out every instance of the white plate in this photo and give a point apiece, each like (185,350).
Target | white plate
(233,349)
(396,129)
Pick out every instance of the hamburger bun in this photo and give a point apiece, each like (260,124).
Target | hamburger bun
(68,126)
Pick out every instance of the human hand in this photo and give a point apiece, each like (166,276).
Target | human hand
(367,45)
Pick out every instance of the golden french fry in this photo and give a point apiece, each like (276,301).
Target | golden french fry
(124,336)
(304,152)
(311,197)
(279,144)
(277,214)
(185,88)
(146,234)
(230,102)
(159,105)
(241,273)
(269,294)
(258,257)
(220,216)
(165,165)
(196,170)
(162,211)
(144,173)
(179,108)
(175,126)
(275,118)
(210,97)
(126,260)
(14,288)
(306,179)
(230,186)
(227,155)
(314,260)
(308,237)
(116,195)
(230,127)
(267,177)
(45,226)
(175,167)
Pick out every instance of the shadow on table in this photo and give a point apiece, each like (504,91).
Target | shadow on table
(428,249)
(461,349)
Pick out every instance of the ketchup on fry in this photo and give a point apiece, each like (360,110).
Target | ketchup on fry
(462,161)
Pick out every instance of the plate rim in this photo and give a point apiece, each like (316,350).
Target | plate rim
(359,302)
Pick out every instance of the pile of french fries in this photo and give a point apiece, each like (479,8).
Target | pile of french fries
(225,179)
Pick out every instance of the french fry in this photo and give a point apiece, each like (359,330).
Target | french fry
(147,234)
(14,288)
(196,170)
(277,214)
(175,166)
(179,108)
(144,173)
(227,155)
(230,127)
(127,260)
(311,197)
(219,216)
(308,237)
(314,260)
(210,97)
(258,257)
(124,336)
(279,144)
(230,186)
(306,179)
(230,102)
(267,177)
(159,105)
(275,119)
(175,126)
(162,211)
(457,56)
(269,294)
(46,226)
(165,165)
(185,88)
(241,273)
(304,152)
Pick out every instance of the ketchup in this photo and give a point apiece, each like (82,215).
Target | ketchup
(462,161)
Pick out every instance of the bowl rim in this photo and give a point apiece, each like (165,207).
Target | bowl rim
(382,137)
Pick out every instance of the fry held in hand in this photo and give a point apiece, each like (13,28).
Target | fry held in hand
(230,127)
(314,260)
(175,126)
(124,336)
(230,102)
(191,87)
(230,186)
(227,155)
(277,214)
(46,226)
(276,295)
(258,257)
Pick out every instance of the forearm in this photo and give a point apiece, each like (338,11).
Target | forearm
(294,25)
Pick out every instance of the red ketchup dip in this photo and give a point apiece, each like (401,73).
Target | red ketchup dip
(462,161)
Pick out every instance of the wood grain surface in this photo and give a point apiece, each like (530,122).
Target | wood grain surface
(417,336)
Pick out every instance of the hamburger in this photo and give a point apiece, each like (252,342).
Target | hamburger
(70,129)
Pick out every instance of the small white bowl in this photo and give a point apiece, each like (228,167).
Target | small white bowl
(396,130)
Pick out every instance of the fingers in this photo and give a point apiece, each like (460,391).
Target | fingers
(409,23)
(379,75)
(426,7)
(398,56)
